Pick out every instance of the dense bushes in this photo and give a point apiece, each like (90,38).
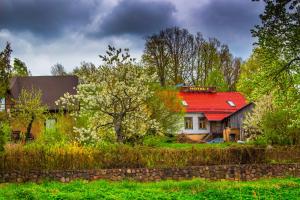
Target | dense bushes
(4,134)
(73,157)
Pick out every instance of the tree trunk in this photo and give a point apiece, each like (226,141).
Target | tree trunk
(29,128)
(118,130)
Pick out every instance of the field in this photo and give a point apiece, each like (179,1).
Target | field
(288,188)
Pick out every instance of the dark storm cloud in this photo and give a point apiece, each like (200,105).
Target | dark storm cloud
(137,18)
(229,21)
(44,18)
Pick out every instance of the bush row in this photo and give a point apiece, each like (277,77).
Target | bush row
(73,157)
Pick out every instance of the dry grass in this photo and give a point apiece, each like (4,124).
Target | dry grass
(75,157)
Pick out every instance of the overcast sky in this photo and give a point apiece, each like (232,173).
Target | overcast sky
(45,32)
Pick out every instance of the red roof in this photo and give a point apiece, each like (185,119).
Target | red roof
(215,106)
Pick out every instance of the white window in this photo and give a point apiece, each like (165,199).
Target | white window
(201,123)
(2,104)
(231,103)
(188,123)
(184,103)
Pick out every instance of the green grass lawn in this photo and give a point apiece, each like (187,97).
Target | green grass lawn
(288,188)
(165,142)
(190,145)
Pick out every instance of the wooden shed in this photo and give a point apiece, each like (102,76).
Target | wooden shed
(234,124)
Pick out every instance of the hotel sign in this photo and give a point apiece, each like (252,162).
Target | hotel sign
(198,89)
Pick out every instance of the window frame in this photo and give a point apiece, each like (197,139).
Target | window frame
(190,119)
(202,120)
(231,103)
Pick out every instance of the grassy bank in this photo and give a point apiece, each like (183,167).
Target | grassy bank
(288,188)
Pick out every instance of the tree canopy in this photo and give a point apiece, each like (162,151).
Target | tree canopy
(5,69)
(178,56)
(58,70)
(118,98)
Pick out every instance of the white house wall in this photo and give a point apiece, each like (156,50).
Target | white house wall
(195,129)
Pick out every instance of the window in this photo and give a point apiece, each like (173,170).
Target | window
(231,103)
(188,123)
(184,103)
(50,124)
(201,123)
(2,104)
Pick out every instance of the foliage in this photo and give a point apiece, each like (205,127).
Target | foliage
(62,133)
(273,69)
(20,68)
(178,56)
(253,121)
(5,69)
(27,108)
(284,188)
(50,137)
(249,81)
(118,98)
(74,157)
(279,33)
(84,70)
(166,108)
(64,124)
(272,123)
(277,129)
(58,70)
(5,131)
(216,79)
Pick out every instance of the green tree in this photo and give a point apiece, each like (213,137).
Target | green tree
(27,108)
(178,56)
(58,70)
(166,109)
(274,69)
(279,33)
(115,99)
(20,68)
(5,69)
(5,131)
(216,78)
(84,70)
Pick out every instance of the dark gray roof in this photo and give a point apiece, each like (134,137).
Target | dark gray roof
(52,87)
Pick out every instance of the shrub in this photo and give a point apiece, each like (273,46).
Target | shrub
(4,134)
(277,130)
(51,137)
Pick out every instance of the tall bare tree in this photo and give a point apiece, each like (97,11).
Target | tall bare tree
(58,70)
(157,57)
(178,56)
(230,67)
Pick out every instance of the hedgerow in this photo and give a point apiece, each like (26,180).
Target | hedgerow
(123,156)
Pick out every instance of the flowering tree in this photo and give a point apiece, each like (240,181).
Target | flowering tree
(27,108)
(114,99)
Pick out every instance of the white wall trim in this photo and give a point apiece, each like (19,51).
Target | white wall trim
(195,129)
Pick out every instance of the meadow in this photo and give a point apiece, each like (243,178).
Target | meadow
(285,188)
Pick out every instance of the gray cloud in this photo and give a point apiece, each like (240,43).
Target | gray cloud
(229,21)
(44,32)
(137,18)
(44,18)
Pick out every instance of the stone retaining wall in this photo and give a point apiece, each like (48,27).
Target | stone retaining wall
(214,172)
